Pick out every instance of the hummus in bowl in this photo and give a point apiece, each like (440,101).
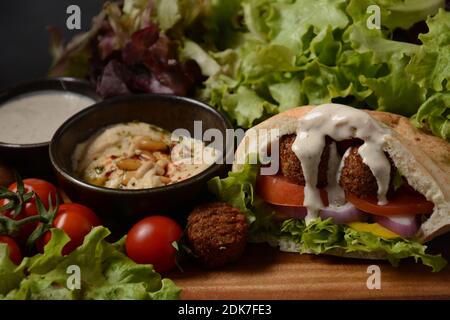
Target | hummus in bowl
(138,155)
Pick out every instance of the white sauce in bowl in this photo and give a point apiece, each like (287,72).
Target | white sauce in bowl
(34,117)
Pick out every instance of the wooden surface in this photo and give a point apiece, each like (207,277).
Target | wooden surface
(265,273)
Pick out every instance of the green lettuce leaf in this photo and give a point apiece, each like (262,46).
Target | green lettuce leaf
(430,68)
(353,66)
(323,83)
(238,191)
(10,274)
(398,180)
(393,93)
(105,272)
(326,47)
(395,13)
(434,115)
(246,106)
(168,13)
(363,40)
(175,15)
(321,236)
(287,94)
(289,53)
(219,25)
(293,18)
(263,61)
(405,13)
(192,50)
(136,15)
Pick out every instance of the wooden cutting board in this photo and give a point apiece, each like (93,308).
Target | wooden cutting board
(265,273)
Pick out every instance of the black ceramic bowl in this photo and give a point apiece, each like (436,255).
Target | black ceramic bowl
(125,206)
(32,160)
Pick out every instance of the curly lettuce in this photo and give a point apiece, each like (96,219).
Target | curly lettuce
(430,69)
(434,115)
(105,273)
(261,57)
(290,54)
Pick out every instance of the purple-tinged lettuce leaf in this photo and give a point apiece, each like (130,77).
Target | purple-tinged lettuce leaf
(113,81)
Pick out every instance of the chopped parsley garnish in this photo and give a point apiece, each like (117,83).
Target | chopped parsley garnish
(398,180)
(99,169)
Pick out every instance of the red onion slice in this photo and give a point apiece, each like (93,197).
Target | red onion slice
(343,214)
(405,226)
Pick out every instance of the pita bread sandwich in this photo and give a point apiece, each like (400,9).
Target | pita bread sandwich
(332,179)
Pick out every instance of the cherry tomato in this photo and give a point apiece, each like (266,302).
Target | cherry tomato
(405,201)
(150,242)
(14,250)
(76,220)
(43,189)
(280,191)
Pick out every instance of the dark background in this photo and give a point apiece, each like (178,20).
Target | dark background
(24,40)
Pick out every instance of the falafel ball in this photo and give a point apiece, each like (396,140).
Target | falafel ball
(217,233)
(357,178)
(291,167)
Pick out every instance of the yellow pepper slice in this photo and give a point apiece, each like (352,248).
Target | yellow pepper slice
(373,228)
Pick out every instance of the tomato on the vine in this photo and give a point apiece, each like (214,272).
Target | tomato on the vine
(14,250)
(40,187)
(150,241)
(76,221)
(43,190)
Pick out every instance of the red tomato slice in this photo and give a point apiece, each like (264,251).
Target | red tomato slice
(405,201)
(280,191)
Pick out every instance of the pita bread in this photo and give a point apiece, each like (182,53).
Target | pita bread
(423,159)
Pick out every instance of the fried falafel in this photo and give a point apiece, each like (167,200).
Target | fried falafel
(217,234)
(291,167)
(357,178)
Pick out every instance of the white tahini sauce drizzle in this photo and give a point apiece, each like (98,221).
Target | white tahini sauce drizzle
(339,122)
(336,195)
(341,166)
